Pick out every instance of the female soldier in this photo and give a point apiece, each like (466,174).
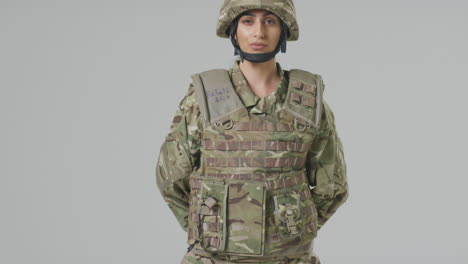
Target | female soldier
(252,166)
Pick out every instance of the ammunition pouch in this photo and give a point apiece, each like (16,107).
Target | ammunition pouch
(288,216)
(232,217)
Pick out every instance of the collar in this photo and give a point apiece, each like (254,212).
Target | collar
(255,104)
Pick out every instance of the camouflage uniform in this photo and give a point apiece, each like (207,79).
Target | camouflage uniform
(258,189)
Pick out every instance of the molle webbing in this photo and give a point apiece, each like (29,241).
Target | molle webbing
(212,227)
(213,241)
(304,98)
(276,184)
(263,126)
(216,95)
(260,145)
(294,162)
(309,102)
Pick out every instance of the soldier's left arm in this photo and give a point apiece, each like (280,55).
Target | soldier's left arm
(326,168)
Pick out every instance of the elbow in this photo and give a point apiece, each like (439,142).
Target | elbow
(342,194)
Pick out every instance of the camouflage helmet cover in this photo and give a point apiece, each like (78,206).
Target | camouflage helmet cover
(284,9)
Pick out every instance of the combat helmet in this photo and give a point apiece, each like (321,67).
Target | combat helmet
(232,9)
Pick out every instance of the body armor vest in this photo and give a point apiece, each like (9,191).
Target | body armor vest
(251,196)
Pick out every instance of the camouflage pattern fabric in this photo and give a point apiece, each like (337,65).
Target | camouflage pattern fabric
(191,258)
(284,9)
(244,190)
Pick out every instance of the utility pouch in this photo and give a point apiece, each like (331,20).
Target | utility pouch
(288,215)
(211,212)
(246,219)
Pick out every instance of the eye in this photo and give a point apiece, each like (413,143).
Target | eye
(270,21)
(247,21)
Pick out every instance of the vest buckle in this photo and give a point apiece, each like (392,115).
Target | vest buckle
(299,126)
(226,124)
(290,222)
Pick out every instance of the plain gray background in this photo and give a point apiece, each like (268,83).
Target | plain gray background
(89,88)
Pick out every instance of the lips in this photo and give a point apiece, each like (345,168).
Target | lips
(258,45)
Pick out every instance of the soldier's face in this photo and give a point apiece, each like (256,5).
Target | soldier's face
(258,31)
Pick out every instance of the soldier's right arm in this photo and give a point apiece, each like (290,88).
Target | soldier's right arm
(179,156)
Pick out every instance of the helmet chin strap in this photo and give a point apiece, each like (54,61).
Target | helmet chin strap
(258,57)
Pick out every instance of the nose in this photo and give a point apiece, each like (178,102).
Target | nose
(259,30)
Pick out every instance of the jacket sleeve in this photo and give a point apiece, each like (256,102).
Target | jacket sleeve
(179,156)
(326,169)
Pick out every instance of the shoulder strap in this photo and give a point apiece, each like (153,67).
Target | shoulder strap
(216,95)
(304,97)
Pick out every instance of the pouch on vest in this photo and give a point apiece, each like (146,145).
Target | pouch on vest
(246,218)
(288,215)
(211,212)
